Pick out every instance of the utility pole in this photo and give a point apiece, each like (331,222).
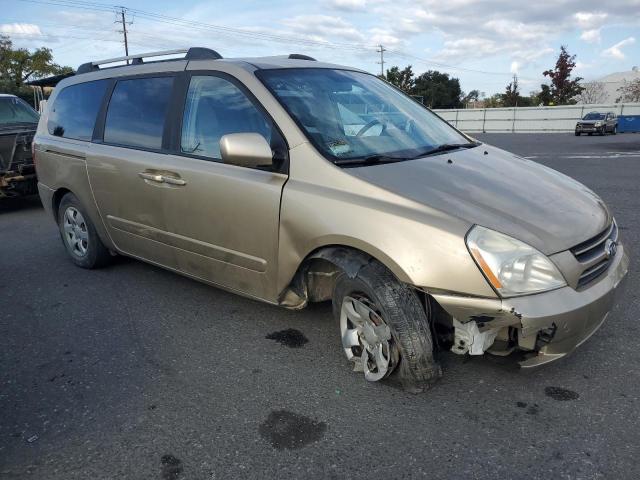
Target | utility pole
(381,62)
(124,31)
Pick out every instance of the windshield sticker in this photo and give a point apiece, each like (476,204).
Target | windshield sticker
(339,147)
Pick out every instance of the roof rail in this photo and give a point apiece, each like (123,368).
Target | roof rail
(299,56)
(193,53)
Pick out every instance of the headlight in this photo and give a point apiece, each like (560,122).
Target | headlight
(511,266)
(598,124)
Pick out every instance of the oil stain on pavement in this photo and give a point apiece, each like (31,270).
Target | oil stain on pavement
(288,430)
(171,467)
(561,394)
(290,338)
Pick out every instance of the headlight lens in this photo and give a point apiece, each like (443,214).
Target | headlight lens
(598,124)
(511,266)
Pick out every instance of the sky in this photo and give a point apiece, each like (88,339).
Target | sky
(483,43)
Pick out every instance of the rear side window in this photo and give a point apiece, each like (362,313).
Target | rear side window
(74,111)
(137,112)
(216,107)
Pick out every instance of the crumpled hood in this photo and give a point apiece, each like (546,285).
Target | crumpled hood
(501,191)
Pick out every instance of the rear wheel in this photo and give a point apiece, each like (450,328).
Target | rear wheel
(385,328)
(79,235)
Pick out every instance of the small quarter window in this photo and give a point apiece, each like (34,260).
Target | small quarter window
(216,107)
(137,112)
(74,111)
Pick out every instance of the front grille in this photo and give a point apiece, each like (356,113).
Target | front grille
(593,256)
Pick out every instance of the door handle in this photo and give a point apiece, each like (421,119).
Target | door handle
(154,177)
(173,180)
(159,178)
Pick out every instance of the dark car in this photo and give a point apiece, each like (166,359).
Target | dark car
(18,123)
(596,122)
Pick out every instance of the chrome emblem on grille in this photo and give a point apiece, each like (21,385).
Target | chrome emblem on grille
(610,248)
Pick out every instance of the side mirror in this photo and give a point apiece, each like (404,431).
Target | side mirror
(246,150)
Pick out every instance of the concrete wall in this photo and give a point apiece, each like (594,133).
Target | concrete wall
(529,119)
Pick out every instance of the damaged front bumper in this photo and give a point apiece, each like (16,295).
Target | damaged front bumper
(550,324)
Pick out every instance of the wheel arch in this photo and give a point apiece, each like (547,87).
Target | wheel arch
(90,210)
(315,276)
(56,199)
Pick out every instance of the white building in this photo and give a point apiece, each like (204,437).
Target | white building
(616,80)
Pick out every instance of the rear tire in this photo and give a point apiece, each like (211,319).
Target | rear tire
(79,235)
(409,348)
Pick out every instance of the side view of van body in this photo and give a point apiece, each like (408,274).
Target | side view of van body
(292,181)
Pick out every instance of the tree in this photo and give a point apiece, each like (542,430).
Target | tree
(543,97)
(494,101)
(438,90)
(18,65)
(592,92)
(403,79)
(563,88)
(472,97)
(630,91)
(511,94)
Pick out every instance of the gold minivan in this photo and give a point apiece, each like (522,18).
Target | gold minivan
(292,181)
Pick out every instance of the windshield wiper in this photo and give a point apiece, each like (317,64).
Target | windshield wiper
(369,160)
(446,147)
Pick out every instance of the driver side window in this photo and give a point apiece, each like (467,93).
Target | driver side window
(216,107)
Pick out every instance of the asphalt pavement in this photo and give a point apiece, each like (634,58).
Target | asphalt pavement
(135,372)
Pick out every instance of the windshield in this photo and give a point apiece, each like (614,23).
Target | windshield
(15,110)
(594,116)
(351,115)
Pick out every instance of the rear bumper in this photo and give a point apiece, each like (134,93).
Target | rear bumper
(15,183)
(567,316)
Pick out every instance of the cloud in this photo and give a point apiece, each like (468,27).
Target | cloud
(520,31)
(589,20)
(514,67)
(349,5)
(384,37)
(581,66)
(615,51)
(324,28)
(22,29)
(591,36)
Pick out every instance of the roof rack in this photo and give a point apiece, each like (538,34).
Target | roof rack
(193,53)
(299,56)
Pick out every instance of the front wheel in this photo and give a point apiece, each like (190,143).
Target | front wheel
(385,328)
(577,134)
(615,130)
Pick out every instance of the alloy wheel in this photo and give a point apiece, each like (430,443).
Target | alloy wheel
(367,339)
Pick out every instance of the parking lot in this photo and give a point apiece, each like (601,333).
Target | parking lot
(135,372)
